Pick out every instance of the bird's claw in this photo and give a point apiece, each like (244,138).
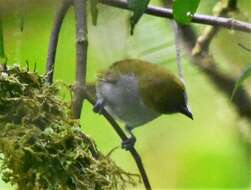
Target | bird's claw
(129,143)
(99,106)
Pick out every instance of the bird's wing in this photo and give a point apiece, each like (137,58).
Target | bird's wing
(160,92)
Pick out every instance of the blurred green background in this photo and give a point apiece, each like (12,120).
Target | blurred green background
(208,152)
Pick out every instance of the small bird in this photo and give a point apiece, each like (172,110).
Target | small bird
(136,92)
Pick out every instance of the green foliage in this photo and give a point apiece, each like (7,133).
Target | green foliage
(244,76)
(138,7)
(41,146)
(94,11)
(184,10)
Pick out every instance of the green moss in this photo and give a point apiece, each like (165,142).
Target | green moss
(41,146)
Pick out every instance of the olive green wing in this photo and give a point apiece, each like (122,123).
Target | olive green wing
(161,91)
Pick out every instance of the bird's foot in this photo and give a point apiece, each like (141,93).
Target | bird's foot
(99,106)
(128,144)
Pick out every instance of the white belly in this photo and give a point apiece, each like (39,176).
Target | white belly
(123,101)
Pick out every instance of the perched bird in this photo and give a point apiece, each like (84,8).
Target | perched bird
(136,92)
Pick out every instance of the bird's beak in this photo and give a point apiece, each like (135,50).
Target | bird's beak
(186,111)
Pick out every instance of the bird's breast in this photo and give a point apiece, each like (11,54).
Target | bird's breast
(123,100)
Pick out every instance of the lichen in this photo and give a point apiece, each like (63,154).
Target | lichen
(42,147)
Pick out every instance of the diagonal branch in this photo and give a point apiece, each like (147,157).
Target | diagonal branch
(222,81)
(122,135)
(229,23)
(203,41)
(60,15)
(207,64)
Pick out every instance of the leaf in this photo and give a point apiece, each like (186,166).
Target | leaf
(2,54)
(245,74)
(138,7)
(94,11)
(184,10)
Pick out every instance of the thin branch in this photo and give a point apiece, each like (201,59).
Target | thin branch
(229,23)
(222,81)
(123,137)
(220,9)
(60,15)
(80,7)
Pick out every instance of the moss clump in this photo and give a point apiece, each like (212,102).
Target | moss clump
(41,146)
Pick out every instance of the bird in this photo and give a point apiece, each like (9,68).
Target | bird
(136,92)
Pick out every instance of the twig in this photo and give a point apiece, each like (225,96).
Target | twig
(207,64)
(80,7)
(60,15)
(222,81)
(203,41)
(229,23)
(123,137)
